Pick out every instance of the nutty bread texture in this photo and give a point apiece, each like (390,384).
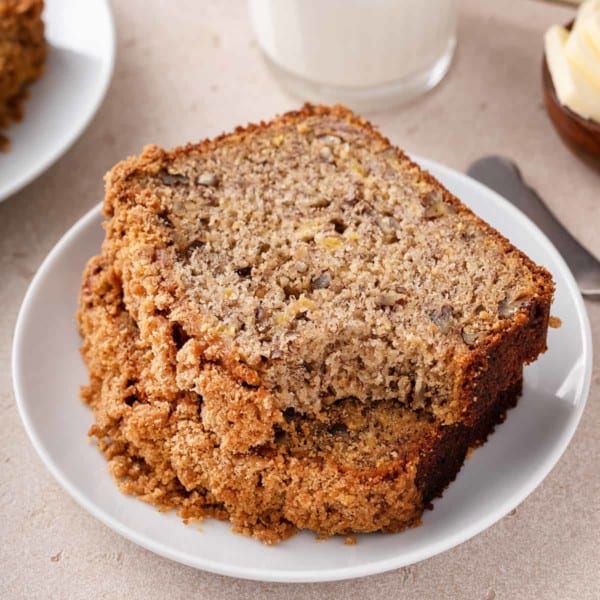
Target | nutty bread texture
(310,261)
(358,467)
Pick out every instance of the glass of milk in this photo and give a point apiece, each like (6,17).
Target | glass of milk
(368,54)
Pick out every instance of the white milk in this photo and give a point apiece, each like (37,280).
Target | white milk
(356,44)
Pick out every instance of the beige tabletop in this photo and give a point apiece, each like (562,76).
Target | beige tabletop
(186,70)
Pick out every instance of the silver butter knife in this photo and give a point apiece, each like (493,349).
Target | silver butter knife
(504,177)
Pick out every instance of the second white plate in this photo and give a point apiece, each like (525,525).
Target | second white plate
(47,373)
(81,51)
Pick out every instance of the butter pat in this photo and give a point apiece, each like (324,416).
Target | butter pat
(574,61)
(580,47)
(572,87)
(591,31)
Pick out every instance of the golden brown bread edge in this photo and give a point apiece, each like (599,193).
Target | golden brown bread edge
(487,370)
(295,491)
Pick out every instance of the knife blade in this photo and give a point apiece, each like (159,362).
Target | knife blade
(504,177)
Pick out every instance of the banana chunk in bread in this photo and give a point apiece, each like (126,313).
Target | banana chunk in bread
(311,261)
(358,467)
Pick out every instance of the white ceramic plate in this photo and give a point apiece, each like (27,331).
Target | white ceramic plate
(81,50)
(47,372)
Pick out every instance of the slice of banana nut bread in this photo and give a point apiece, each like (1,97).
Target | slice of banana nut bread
(359,467)
(22,54)
(311,261)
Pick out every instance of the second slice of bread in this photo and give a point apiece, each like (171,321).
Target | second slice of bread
(358,467)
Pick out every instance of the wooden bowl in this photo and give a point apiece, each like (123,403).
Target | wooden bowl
(581,135)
